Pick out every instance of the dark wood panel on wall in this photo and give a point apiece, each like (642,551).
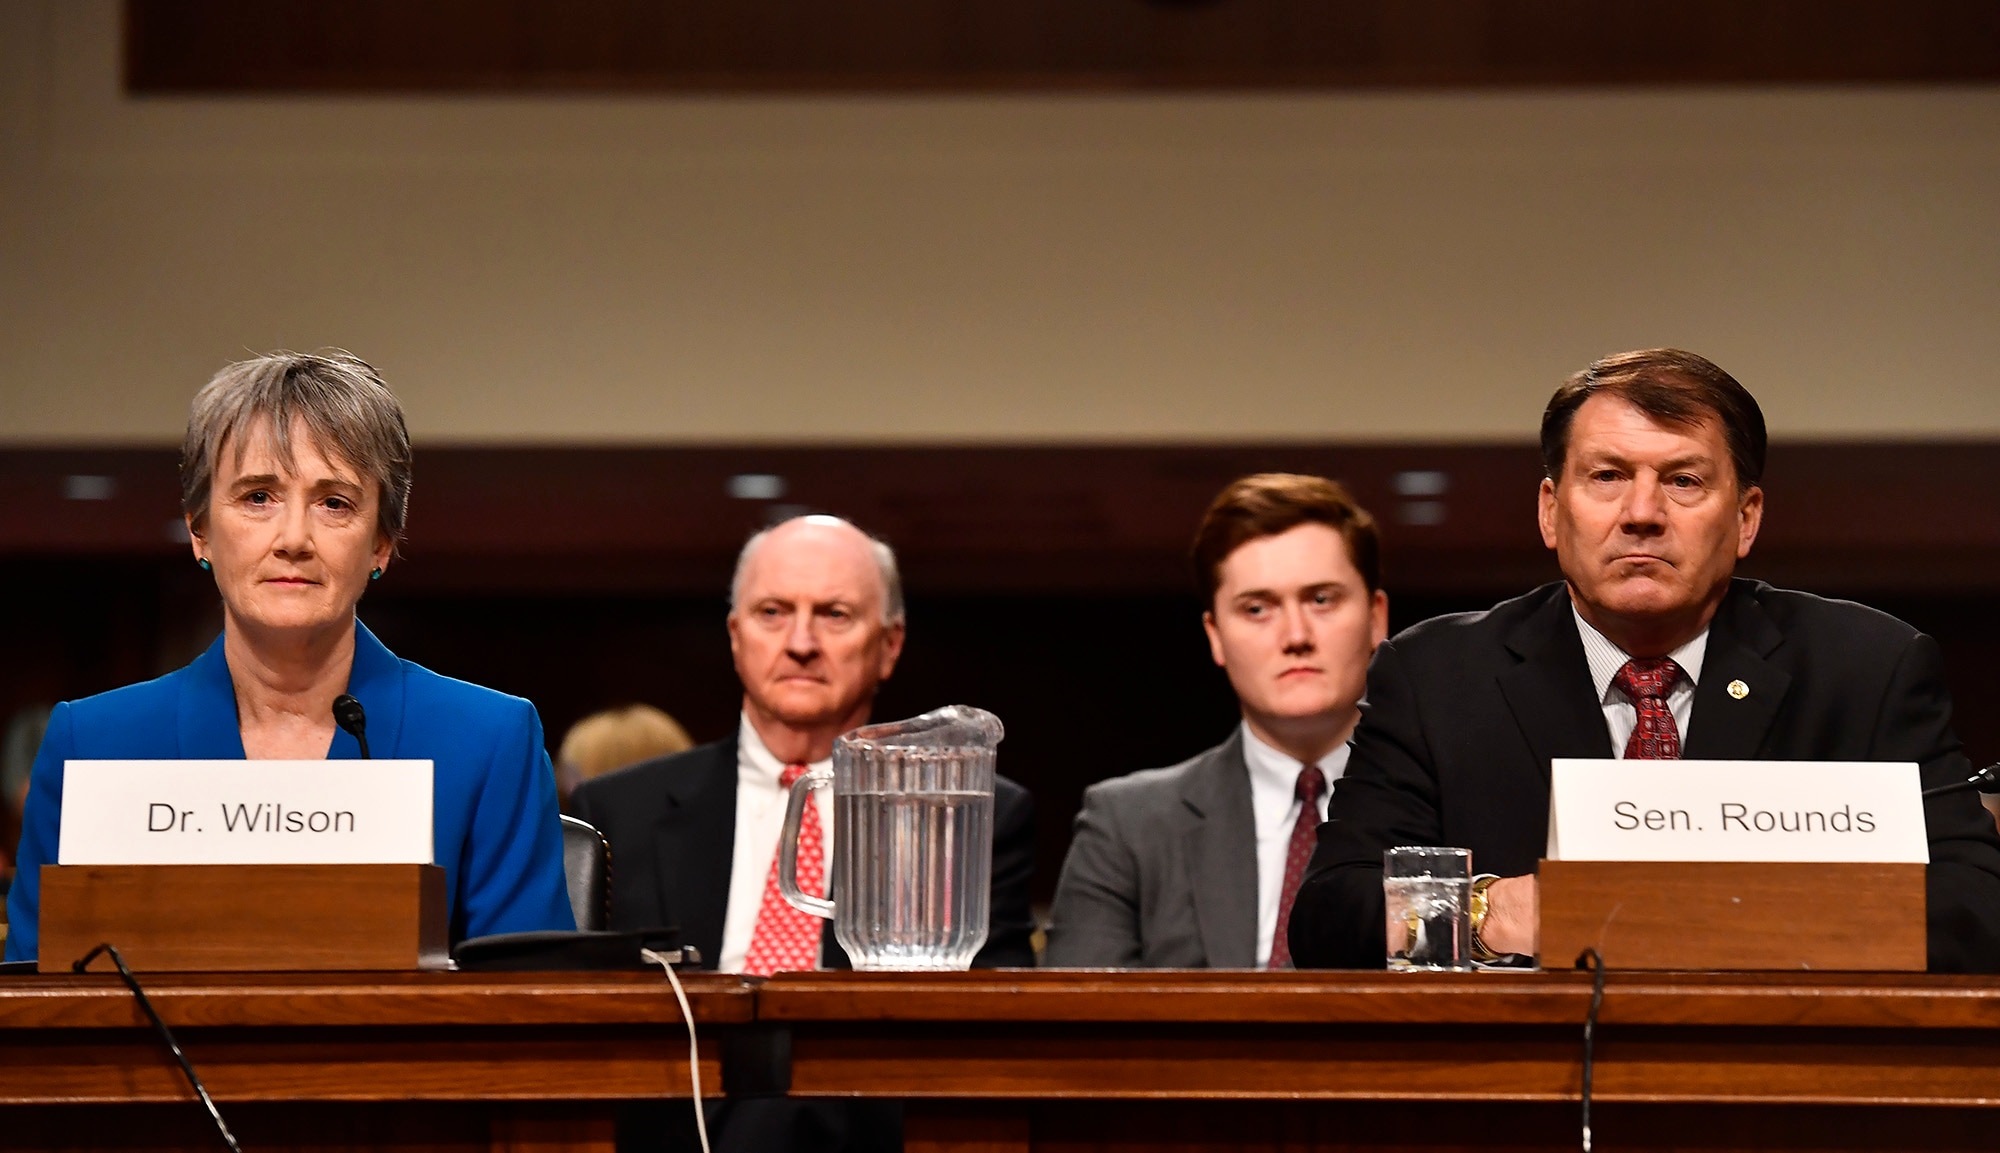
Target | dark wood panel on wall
(1895,519)
(184,46)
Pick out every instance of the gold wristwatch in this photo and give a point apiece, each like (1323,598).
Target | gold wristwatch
(1480,884)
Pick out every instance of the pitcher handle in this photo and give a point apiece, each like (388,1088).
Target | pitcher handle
(788,845)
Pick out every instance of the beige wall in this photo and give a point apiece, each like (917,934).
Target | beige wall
(643,269)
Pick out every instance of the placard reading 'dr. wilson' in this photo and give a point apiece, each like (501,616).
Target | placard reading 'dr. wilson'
(1820,811)
(246,813)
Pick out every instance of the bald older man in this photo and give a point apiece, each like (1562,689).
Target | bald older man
(815,625)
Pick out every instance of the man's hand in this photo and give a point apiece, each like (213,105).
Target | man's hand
(1513,916)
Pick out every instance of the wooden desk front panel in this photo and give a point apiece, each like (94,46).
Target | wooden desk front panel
(1808,1039)
(1434,1127)
(302,1127)
(432,1064)
(1417,1063)
(1033,1060)
(336,1037)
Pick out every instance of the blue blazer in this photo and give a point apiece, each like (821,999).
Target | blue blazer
(494,801)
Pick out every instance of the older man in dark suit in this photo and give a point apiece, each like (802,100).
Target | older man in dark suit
(1649,648)
(815,625)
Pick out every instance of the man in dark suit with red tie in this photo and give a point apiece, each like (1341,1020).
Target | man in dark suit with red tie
(815,626)
(1649,648)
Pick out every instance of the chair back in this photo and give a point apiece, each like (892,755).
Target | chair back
(587,868)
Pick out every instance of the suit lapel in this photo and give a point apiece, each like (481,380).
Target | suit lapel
(1221,856)
(207,710)
(211,731)
(1550,692)
(376,680)
(1724,726)
(694,843)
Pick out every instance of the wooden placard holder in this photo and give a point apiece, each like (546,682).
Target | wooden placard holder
(237,918)
(1734,915)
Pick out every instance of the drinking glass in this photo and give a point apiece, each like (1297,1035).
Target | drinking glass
(1427,891)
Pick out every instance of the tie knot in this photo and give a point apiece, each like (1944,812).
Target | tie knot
(1647,679)
(791,775)
(1311,784)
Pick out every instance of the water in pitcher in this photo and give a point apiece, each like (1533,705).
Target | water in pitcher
(912,839)
(930,910)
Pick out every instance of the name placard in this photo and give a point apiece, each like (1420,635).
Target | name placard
(246,813)
(1811,811)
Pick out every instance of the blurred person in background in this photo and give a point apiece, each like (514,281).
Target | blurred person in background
(295,480)
(17,759)
(612,739)
(1196,865)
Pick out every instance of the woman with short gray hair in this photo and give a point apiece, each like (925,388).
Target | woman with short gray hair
(295,485)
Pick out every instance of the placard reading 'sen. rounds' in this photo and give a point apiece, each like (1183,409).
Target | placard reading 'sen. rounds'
(1815,811)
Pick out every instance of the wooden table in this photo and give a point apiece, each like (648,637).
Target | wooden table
(409,1060)
(1298,1061)
(1018,1060)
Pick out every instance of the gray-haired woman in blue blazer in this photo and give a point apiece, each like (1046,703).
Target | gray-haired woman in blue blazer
(295,479)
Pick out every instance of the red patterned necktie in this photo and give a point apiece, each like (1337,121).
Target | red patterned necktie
(1311,784)
(1647,682)
(787,939)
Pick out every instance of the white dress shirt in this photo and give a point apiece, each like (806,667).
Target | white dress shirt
(760,815)
(1621,716)
(1274,807)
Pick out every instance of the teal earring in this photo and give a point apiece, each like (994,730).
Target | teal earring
(203,562)
(373,575)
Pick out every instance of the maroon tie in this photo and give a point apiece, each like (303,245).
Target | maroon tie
(1311,784)
(1647,682)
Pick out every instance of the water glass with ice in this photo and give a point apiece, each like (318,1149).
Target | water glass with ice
(1428,894)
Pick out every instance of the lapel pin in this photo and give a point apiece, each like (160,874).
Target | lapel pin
(1738,689)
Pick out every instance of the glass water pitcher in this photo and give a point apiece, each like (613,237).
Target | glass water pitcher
(912,863)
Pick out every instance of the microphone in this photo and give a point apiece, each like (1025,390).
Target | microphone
(348,714)
(1986,780)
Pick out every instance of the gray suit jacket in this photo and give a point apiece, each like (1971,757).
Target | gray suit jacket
(1162,873)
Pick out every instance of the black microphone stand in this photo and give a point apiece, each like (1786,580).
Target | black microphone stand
(1985,780)
(349,715)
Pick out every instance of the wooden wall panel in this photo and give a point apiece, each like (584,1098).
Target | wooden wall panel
(1892,519)
(553,45)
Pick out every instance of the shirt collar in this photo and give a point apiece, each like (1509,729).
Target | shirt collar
(756,756)
(1607,658)
(1278,771)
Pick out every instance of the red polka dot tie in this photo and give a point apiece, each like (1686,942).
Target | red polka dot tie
(1311,784)
(1647,682)
(787,939)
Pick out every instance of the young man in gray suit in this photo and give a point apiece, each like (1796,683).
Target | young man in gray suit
(1197,865)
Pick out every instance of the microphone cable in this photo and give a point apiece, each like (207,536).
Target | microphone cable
(1592,960)
(694,1054)
(166,1035)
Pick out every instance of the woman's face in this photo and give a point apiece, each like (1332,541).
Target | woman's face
(291,548)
